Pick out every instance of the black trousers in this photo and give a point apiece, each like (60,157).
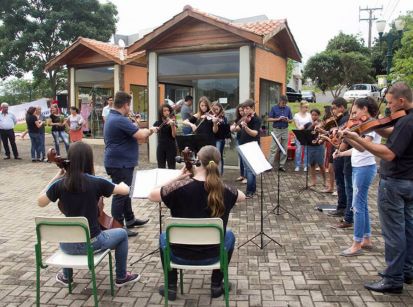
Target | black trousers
(6,136)
(165,153)
(121,204)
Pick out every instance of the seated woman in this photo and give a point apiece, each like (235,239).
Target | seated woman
(202,196)
(79,190)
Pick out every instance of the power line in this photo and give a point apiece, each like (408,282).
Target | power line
(370,19)
(397,3)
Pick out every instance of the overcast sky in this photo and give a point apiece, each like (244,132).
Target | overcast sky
(312,22)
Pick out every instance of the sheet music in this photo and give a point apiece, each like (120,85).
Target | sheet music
(145,181)
(254,157)
(278,143)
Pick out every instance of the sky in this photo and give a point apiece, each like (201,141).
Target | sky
(312,23)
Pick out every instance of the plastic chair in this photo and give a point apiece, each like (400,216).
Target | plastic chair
(205,231)
(291,146)
(68,230)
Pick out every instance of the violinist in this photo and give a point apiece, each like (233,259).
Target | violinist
(363,172)
(280,116)
(239,113)
(79,190)
(342,171)
(395,194)
(203,196)
(249,127)
(166,150)
(221,130)
(201,122)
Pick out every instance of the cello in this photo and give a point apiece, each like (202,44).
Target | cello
(105,221)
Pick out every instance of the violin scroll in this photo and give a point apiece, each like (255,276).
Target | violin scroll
(189,159)
(52,156)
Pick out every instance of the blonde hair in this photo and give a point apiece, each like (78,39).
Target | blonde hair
(203,99)
(303,104)
(210,159)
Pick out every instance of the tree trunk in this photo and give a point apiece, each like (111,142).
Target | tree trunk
(53,83)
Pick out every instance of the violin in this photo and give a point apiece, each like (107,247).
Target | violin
(189,160)
(246,119)
(377,123)
(323,129)
(167,120)
(105,221)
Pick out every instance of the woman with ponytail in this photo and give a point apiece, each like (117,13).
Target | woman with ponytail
(202,196)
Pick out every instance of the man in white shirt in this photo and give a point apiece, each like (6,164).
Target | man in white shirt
(7,123)
(106,109)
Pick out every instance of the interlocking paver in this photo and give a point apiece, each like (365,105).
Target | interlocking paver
(306,271)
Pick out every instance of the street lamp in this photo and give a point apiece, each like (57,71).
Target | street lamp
(390,38)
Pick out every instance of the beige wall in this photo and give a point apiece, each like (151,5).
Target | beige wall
(135,75)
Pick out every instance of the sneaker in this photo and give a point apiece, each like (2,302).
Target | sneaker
(249,195)
(305,169)
(297,169)
(60,278)
(334,193)
(244,181)
(129,279)
(240,178)
(172,289)
(282,169)
(218,291)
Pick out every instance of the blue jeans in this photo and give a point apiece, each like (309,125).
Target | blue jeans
(395,203)
(36,143)
(241,163)
(116,238)
(121,204)
(362,179)
(219,144)
(343,173)
(42,145)
(251,180)
(62,135)
(298,153)
(186,130)
(217,275)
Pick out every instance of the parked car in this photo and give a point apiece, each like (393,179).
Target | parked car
(308,96)
(293,95)
(360,91)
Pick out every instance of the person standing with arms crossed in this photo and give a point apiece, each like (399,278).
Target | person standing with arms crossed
(395,195)
(121,156)
(280,116)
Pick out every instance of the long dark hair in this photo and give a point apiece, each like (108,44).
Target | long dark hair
(210,159)
(160,111)
(369,103)
(238,115)
(80,157)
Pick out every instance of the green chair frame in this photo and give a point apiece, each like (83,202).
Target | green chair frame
(71,224)
(223,255)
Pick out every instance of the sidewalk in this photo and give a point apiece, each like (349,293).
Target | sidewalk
(306,271)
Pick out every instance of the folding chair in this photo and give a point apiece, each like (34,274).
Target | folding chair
(68,230)
(205,231)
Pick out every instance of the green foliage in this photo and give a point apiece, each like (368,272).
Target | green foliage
(16,91)
(403,59)
(34,32)
(290,67)
(344,62)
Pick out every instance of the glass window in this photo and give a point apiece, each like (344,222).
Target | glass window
(95,77)
(190,65)
(140,100)
(270,92)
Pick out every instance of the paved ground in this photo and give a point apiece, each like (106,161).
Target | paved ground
(305,271)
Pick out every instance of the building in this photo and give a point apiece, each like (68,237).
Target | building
(192,53)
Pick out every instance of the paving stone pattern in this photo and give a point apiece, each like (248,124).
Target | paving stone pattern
(306,271)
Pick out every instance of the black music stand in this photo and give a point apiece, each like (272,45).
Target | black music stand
(194,141)
(276,209)
(254,158)
(305,137)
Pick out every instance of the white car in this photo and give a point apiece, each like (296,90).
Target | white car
(361,91)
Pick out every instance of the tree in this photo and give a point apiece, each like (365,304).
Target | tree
(403,59)
(35,31)
(16,91)
(347,43)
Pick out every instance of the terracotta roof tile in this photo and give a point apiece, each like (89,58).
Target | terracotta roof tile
(111,49)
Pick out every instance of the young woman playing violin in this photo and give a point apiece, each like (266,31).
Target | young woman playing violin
(80,190)
(364,171)
(220,128)
(201,122)
(166,150)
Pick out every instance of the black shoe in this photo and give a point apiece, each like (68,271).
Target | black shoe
(217,291)
(336,213)
(407,280)
(17,158)
(6,158)
(171,292)
(136,222)
(282,169)
(383,286)
(131,233)
(249,195)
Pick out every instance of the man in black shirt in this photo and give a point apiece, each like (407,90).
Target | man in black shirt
(343,171)
(395,195)
(249,129)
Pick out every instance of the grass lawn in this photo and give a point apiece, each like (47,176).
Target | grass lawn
(21,127)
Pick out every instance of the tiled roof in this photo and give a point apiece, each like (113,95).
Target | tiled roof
(111,49)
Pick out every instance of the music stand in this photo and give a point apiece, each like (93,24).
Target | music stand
(305,137)
(194,141)
(146,181)
(277,208)
(253,156)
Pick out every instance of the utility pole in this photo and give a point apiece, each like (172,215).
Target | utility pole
(370,19)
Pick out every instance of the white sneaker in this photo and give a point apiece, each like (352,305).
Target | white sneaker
(297,169)
(305,169)
(244,181)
